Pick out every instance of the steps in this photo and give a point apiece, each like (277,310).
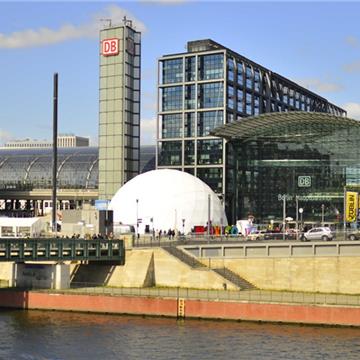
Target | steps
(185,258)
(196,264)
(235,279)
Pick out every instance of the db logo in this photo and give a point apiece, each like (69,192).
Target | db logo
(304,181)
(110,47)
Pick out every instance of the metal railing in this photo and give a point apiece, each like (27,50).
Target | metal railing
(259,296)
(149,240)
(59,249)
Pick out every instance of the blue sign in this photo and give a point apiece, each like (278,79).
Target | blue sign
(102,204)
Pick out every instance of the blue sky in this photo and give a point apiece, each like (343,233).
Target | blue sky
(316,44)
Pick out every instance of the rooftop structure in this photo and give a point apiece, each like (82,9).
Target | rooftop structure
(64,141)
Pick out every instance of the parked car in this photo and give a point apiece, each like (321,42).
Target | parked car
(257,235)
(289,235)
(353,235)
(318,233)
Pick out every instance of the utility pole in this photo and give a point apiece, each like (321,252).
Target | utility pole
(54,169)
(284,215)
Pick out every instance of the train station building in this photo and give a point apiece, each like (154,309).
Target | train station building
(310,156)
(210,86)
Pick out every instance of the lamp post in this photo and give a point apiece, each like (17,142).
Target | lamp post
(152,229)
(284,215)
(322,214)
(297,217)
(301,210)
(209,221)
(137,220)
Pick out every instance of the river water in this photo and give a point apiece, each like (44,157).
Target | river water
(43,335)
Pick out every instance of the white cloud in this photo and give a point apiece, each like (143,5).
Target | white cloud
(352,41)
(148,131)
(46,36)
(352,67)
(318,85)
(4,136)
(353,110)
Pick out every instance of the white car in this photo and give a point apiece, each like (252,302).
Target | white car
(256,235)
(318,233)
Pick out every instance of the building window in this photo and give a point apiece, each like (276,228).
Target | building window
(209,152)
(189,152)
(172,71)
(190,70)
(291,98)
(189,124)
(249,77)
(257,80)
(171,126)
(240,98)
(248,104)
(240,74)
(190,97)
(297,101)
(169,153)
(230,69)
(208,121)
(172,98)
(211,67)
(212,177)
(256,105)
(211,95)
(285,95)
(230,97)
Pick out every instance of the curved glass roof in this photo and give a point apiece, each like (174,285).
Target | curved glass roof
(284,124)
(77,167)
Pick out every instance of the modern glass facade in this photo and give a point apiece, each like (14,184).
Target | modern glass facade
(209,86)
(311,156)
(119,109)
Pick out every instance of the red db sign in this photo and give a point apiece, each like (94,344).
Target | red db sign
(110,47)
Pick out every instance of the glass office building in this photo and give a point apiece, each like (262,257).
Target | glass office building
(119,107)
(209,86)
(311,156)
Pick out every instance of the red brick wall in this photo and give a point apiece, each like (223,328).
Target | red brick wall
(329,315)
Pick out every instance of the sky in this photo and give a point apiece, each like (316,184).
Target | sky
(316,44)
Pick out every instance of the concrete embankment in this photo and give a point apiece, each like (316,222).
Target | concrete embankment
(189,308)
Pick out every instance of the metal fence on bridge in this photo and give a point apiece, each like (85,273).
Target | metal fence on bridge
(60,249)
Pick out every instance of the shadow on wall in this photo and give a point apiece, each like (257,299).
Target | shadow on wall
(92,274)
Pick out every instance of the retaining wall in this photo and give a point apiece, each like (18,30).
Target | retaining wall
(286,313)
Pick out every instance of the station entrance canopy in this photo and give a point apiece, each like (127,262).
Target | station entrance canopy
(291,154)
(296,124)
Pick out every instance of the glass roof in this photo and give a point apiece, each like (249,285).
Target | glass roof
(77,167)
(284,125)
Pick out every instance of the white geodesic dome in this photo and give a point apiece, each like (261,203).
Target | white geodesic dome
(163,198)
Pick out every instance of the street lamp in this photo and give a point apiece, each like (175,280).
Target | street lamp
(301,210)
(152,229)
(322,214)
(137,219)
(284,215)
(297,217)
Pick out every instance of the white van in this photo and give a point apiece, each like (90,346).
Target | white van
(122,229)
